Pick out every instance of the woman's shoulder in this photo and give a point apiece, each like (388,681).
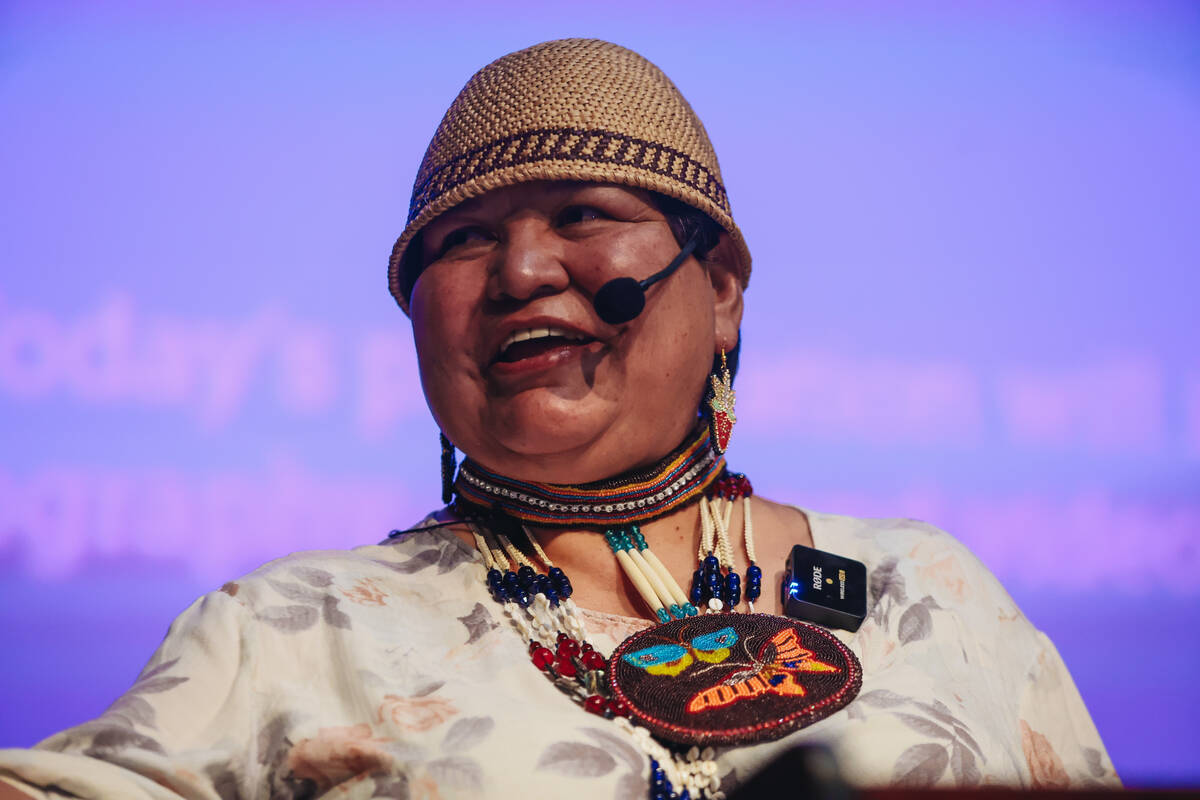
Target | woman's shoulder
(881,537)
(916,559)
(406,557)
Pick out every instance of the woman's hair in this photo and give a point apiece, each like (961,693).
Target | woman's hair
(683,219)
(686,221)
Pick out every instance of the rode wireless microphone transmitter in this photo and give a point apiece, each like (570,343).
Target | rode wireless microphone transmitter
(824,588)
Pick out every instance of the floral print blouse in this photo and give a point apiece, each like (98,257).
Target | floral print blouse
(388,672)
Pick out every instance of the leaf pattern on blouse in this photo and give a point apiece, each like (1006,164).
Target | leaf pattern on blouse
(963,766)
(224,781)
(466,733)
(290,619)
(634,783)
(117,729)
(478,623)
(132,708)
(916,624)
(920,766)
(885,590)
(308,602)
(391,788)
(421,561)
(452,556)
(926,764)
(576,760)
(296,592)
(1045,767)
(882,698)
(313,576)
(454,769)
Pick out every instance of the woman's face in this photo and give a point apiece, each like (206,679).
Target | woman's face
(518,369)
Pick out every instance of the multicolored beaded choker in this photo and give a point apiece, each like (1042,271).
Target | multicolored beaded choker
(679,479)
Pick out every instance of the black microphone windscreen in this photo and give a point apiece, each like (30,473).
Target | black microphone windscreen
(619,300)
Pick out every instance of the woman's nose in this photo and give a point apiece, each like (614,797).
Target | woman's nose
(529,264)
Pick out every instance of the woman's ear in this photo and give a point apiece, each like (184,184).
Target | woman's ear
(722,265)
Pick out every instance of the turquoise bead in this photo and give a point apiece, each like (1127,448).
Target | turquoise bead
(662,615)
(615,540)
(638,539)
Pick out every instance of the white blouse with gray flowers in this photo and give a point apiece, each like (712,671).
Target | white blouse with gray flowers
(388,672)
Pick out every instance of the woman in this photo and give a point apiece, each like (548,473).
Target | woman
(404,669)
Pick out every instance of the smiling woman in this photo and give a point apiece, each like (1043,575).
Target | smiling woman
(589,404)
(403,669)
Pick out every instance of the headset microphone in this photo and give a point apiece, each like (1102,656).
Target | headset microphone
(622,299)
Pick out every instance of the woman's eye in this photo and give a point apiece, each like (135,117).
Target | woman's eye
(462,237)
(576,214)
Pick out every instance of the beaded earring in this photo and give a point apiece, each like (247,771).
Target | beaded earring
(449,464)
(720,404)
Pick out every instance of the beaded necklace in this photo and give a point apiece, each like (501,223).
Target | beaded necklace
(632,497)
(715,583)
(706,674)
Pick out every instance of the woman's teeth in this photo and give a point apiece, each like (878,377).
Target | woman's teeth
(527,334)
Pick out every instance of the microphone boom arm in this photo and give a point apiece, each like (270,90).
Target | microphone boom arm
(622,299)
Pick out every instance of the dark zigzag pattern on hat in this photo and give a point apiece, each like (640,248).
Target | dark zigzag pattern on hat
(568,144)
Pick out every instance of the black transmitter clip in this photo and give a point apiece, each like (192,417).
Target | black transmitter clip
(823,588)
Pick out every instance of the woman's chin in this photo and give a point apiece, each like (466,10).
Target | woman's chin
(555,449)
(544,439)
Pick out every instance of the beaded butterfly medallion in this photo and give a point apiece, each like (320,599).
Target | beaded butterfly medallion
(732,678)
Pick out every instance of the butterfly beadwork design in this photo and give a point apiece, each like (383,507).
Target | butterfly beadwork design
(672,659)
(773,670)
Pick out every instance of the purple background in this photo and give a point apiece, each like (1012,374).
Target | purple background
(974,302)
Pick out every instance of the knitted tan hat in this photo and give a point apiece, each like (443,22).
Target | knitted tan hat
(573,109)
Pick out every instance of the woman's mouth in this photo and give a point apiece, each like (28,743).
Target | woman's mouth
(532,352)
(533,343)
